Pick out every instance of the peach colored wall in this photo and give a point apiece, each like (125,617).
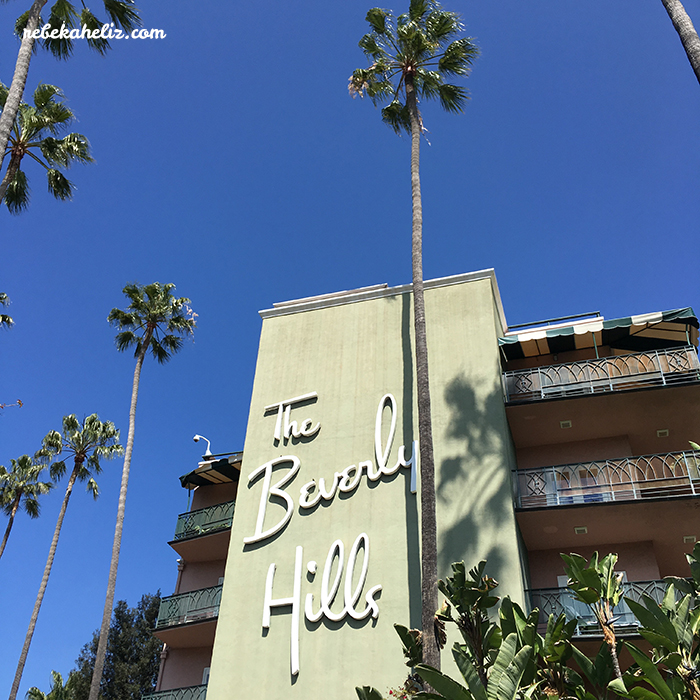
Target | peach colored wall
(637,559)
(205,496)
(201,574)
(184,667)
(573,452)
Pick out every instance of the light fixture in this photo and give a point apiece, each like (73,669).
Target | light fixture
(583,530)
(197,438)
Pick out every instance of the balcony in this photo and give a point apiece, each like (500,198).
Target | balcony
(193,692)
(627,479)
(618,373)
(196,606)
(204,521)
(560,600)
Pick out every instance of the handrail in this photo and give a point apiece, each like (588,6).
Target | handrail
(192,692)
(630,478)
(616,373)
(194,606)
(204,521)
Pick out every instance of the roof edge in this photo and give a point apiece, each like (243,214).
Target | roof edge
(380,291)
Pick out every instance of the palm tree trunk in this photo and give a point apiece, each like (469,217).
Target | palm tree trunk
(686,31)
(19,79)
(15,506)
(429,591)
(116,546)
(42,587)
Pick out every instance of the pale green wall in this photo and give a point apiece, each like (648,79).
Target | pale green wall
(351,355)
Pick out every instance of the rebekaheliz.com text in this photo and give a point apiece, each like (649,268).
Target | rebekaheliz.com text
(106,31)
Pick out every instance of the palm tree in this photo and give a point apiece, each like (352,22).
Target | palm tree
(58,691)
(34,134)
(409,58)
(87,444)
(21,486)
(686,32)
(122,12)
(154,321)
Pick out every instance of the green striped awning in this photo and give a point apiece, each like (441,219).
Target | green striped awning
(663,329)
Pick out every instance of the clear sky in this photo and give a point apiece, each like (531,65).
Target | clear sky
(231,161)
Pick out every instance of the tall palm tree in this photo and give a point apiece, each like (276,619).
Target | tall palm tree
(34,134)
(122,12)
(21,486)
(86,443)
(155,321)
(686,32)
(410,58)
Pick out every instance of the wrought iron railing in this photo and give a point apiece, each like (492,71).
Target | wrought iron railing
(629,478)
(195,606)
(204,521)
(617,373)
(193,692)
(560,600)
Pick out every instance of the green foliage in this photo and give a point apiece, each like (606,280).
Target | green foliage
(58,691)
(154,319)
(21,484)
(5,320)
(133,654)
(417,49)
(34,135)
(87,443)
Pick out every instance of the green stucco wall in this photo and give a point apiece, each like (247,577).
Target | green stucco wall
(351,355)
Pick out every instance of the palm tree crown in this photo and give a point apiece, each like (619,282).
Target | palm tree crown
(20,486)
(154,320)
(417,50)
(34,134)
(86,444)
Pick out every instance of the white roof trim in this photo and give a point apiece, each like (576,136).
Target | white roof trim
(380,291)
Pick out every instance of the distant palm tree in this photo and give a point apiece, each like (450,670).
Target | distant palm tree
(410,58)
(155,321)
(686,33)
(34,134)
(21,486)
(122,12)
(58,690)
(87,444)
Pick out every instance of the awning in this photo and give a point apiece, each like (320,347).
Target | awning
(655,331)
(221,469)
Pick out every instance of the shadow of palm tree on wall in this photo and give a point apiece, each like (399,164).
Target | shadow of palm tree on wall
(474,485)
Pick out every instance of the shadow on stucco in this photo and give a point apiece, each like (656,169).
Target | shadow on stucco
(474,486)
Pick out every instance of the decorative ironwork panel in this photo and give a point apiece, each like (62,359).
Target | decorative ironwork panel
(630,478)
(204,520)
(195,606)
(555,601)
(616,373)
(193,692)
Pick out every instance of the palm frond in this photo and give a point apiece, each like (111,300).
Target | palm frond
(17,193)
(453,97)
(62,12)
(59,185)
(123,13)
(44,94)
(90,22)
(441,25)
(378,19)
(397,116)
(417,10)
(4,90)
(458,57)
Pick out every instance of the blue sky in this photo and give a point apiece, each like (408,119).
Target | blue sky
(231,161)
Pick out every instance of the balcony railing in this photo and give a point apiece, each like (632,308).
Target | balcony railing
(195,606)
(193,692)
(560,600)
(630,478)
(204,521)
(618,373)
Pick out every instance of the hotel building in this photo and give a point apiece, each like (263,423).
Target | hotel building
(569,436)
